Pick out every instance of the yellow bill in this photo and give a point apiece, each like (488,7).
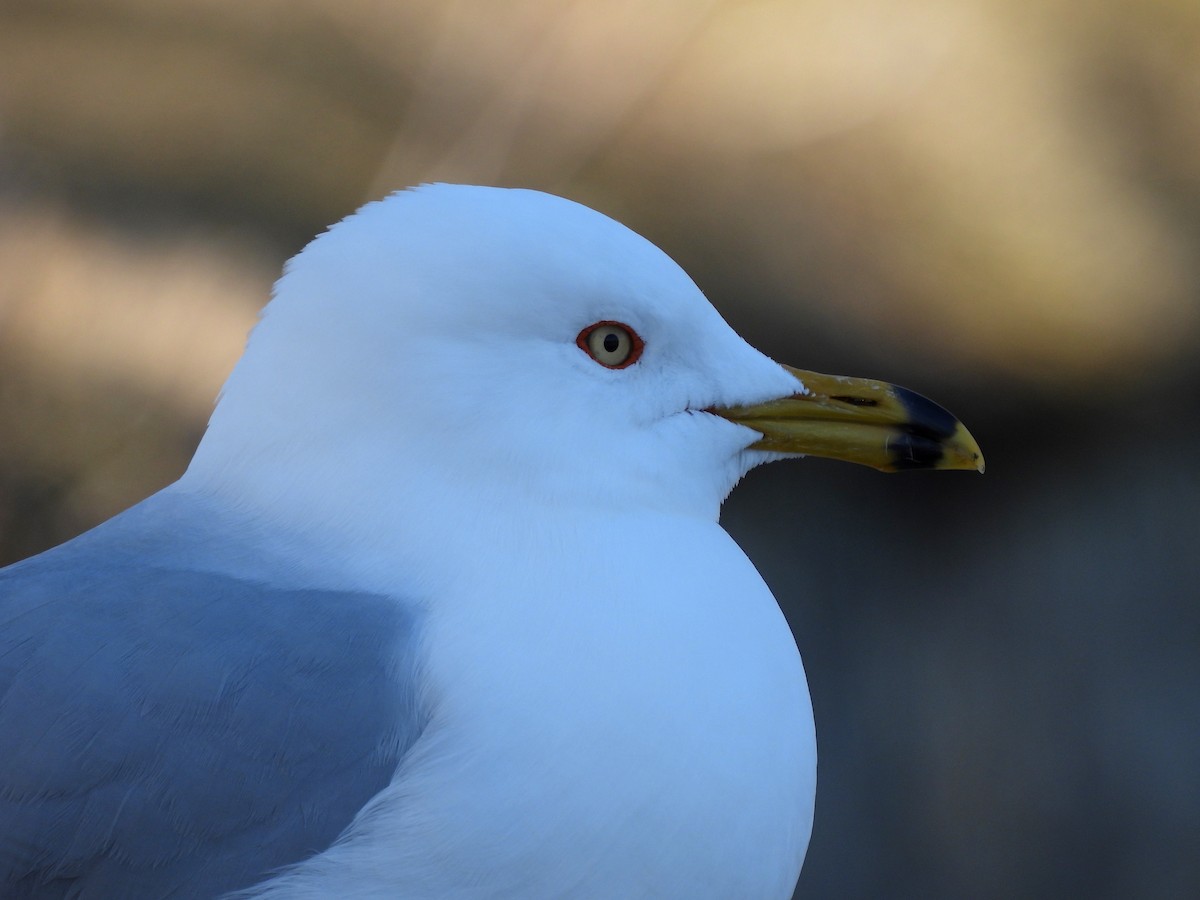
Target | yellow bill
(858,420)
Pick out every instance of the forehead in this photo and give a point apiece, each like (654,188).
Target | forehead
(452,253)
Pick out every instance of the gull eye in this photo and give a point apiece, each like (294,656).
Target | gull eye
(611,344)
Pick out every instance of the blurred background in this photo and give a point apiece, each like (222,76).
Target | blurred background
(994,202)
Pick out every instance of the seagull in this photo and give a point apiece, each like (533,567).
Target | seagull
(441,607)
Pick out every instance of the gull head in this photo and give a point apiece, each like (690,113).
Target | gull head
(510,343)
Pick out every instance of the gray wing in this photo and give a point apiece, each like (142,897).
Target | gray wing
(166,732)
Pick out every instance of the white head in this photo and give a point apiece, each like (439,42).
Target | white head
(430,339)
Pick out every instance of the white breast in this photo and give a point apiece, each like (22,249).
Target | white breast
(631,721)
(616,712)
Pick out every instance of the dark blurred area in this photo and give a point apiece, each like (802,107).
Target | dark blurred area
(994,203)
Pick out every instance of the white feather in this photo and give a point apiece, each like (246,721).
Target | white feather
(617,705)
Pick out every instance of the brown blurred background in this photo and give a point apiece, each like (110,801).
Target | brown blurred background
(996,202)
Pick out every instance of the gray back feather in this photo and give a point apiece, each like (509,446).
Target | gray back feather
(173,732)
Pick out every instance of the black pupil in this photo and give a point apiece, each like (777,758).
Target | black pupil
(611,342)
